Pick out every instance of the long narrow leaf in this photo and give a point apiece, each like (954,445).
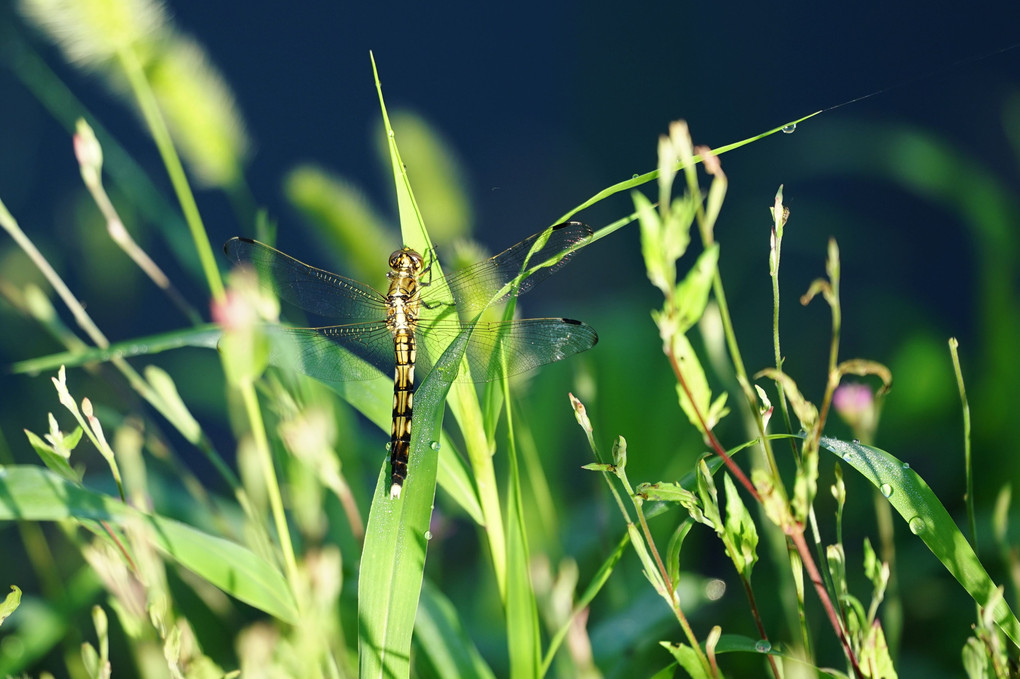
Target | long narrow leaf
(927,519)
(36,494)
(204,336)
(396,537)
(393,559)
(443,639)
(521,607)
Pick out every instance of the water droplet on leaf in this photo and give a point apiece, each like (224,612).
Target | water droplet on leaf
(789,129)
(762,646)
(885,489)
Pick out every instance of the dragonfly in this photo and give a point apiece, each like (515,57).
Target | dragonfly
(377,332)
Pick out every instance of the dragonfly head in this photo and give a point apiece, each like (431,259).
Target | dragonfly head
(407,262)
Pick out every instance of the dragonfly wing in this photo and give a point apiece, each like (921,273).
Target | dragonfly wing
(316,290)
(339,353)
(473,288)
(505,348)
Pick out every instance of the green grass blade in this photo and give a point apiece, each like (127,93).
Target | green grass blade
(927,519)
(204,336)
(412,227)
(396,537)
(638,180)
(594,587)
(521,609)
(440,635)
(36,494)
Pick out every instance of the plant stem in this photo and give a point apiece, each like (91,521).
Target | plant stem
(161,135)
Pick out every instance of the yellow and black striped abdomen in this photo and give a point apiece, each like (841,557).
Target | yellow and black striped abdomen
(403,408)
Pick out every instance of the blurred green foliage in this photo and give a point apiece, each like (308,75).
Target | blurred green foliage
(625,383)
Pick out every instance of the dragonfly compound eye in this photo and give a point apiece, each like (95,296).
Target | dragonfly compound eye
(406,260)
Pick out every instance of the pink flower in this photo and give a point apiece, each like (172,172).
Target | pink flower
(855,404)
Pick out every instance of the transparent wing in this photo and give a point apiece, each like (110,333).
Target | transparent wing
(494,350)
(339,353)
(316,290)
(505,348)
(473,288)
(362,347)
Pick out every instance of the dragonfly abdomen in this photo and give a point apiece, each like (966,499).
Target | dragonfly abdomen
(403,407)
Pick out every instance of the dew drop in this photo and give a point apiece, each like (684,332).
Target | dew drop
(389,444)
(916,525)
(635,176)
(886,490)
(790,129)
(848,455)
(906,465)
(389,133)
(857,441)
(762,646)
(428,535)
(435,445)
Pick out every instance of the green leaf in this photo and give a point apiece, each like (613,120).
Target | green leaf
(667,492)
(875,654)
(676,543)
(598,580)
(926,518)
(741,529)
(687,658)
(10,603)
(651,571)
(35,494)
(441,637)
(51,458)
(692,291)
(174,408)
(521,609)
(806,411)
(396,537)
(709,496)
(805,485)
(694,376)
(205,336)
(661,275)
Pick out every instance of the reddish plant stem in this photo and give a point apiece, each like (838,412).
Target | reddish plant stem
(737,472)
(757,621)
(797,535)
